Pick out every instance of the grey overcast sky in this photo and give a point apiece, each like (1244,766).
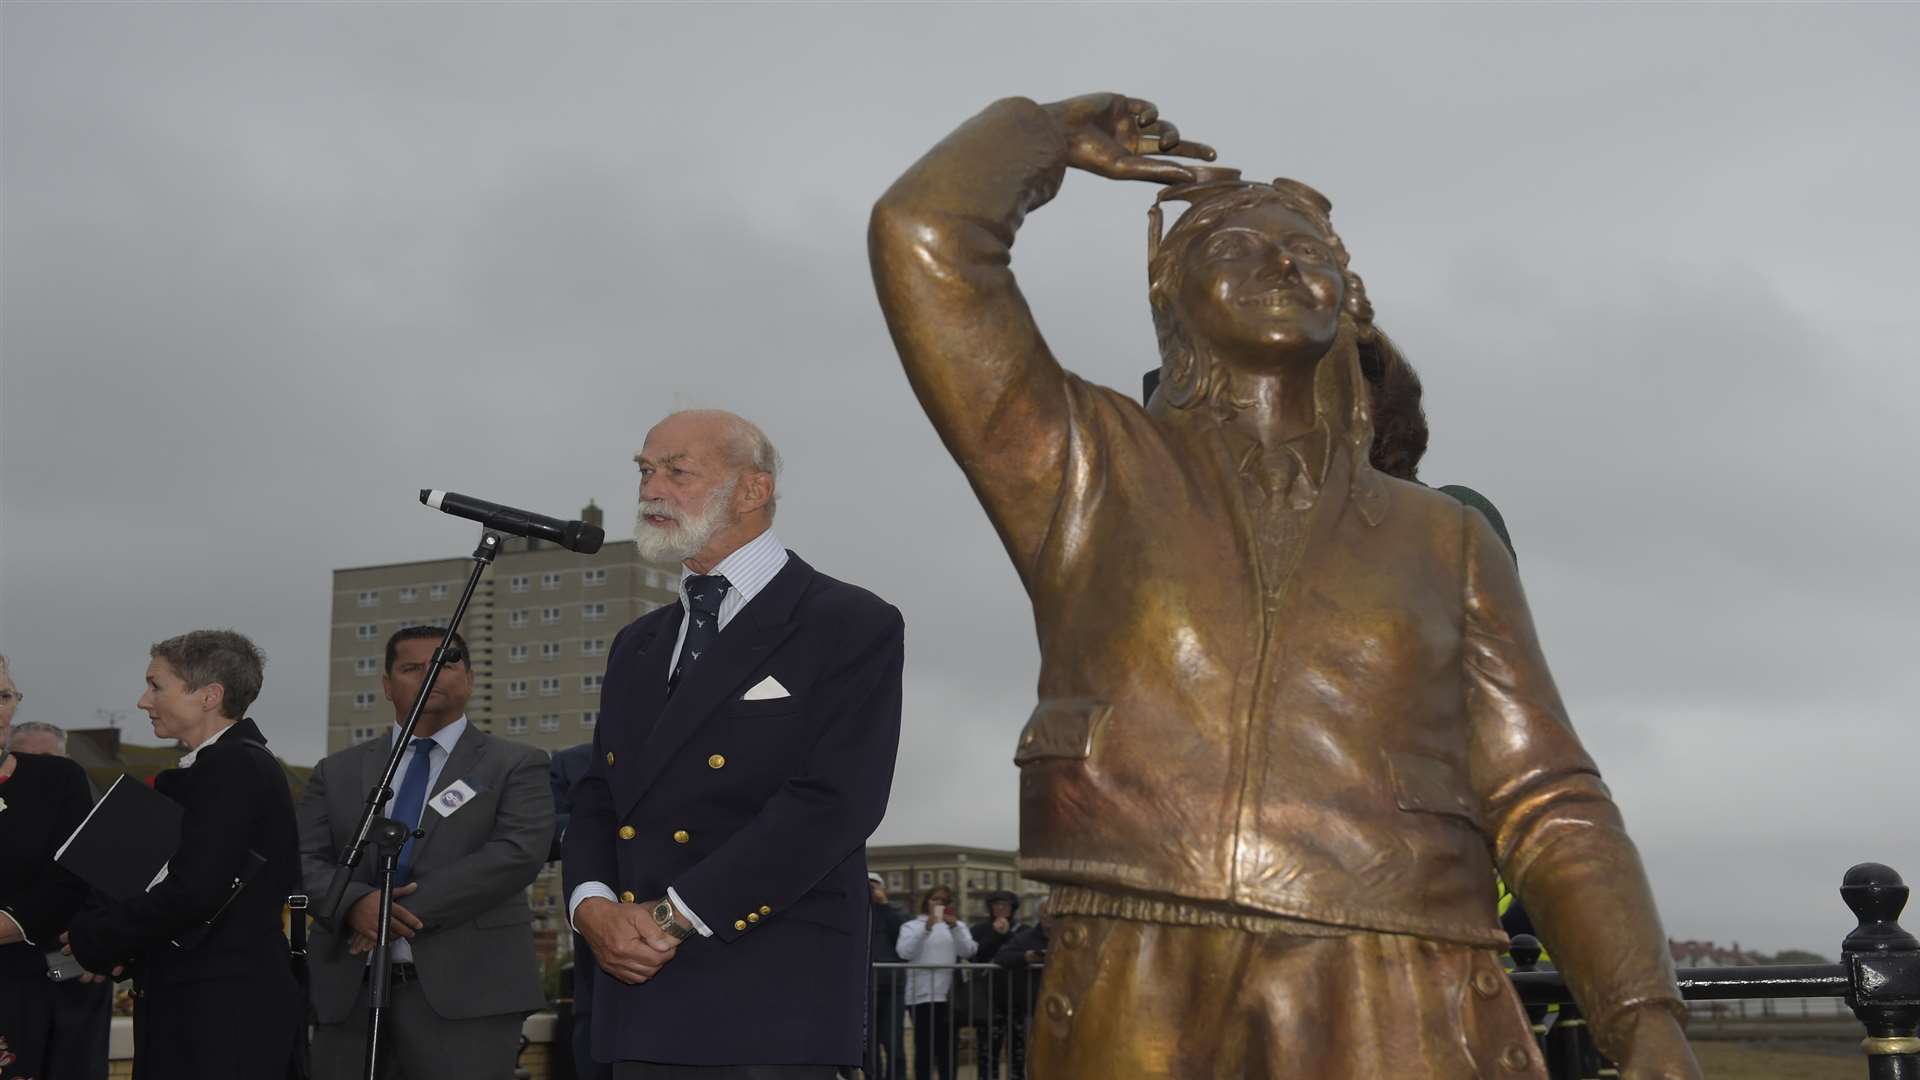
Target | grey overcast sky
(269,269)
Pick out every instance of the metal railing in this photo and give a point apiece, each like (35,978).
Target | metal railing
(979,1023)
(1877,978)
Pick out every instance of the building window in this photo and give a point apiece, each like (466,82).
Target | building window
(362,734)
(590,684)
(549,616)
(517,688)
(593,577)
(550,721)
(364,700)
(549,687)
(409,594)
(550,579)
(593,647)
(516,654)
(896,879)
(589,718)
(549,650)
(946,877)
(436,592)
(516,725)
(367,631)
(593,612)
(366,665)
(517,583)
(517,619)
(926,879)
(370,598)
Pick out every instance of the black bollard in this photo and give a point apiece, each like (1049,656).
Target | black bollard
(1883,972)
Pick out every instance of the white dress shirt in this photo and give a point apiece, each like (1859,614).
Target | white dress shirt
(443,742)
(187,759)
(747,570)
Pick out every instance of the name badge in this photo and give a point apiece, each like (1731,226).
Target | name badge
(453,797)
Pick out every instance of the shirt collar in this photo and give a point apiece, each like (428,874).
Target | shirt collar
(444,738)
(748,569)
(187,759)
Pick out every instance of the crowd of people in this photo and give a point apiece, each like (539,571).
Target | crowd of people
(755,776)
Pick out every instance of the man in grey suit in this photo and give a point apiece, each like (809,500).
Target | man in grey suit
(464,973)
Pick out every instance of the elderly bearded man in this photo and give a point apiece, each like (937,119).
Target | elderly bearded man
(1288,706)
(715,860)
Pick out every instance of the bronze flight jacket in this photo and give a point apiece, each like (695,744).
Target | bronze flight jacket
(1357,742)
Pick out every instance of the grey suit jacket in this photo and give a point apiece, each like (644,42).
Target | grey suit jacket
(475,954)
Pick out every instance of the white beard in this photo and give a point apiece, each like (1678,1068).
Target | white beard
(686,536)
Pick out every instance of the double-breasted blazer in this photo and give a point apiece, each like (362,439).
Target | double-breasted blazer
(755,812)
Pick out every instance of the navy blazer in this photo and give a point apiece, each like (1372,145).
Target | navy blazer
(756,813)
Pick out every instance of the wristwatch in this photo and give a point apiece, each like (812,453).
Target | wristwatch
(663,918)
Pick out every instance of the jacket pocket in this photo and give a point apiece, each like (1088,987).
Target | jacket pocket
(1428,785)
(1063,729)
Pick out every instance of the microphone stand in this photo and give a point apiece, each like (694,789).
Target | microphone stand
(389,835)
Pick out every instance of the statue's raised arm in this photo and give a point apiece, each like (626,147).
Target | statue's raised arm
(940,245)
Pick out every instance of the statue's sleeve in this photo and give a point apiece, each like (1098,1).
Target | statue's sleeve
(940,244)
(1558,837)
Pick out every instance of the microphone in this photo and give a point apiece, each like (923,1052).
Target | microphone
(572,535)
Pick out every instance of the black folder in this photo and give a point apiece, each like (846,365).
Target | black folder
(123,846)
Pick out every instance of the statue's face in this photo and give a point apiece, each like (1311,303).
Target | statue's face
(1263,289)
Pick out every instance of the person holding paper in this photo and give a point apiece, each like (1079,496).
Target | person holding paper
(42,800)
(223,1003)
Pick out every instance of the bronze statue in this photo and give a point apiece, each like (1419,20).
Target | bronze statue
(1292,712)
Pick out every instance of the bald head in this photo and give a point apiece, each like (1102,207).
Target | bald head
(707,481)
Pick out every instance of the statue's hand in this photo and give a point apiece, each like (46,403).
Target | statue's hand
(1112,134)
(1658,1049)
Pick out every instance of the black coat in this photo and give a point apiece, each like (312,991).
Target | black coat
(227,1005)
(46,799)
(756,813)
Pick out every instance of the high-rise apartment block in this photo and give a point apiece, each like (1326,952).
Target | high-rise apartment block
(539,626)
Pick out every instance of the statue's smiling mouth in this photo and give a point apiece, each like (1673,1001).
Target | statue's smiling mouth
(1279,298)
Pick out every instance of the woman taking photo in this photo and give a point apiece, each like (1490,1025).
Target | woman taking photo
(935,936)
(223,1003)
(42,800)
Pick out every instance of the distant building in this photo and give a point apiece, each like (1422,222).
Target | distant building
(972,873)
(539,626)
(1696,954)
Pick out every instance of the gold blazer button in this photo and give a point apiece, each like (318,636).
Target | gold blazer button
(681,836)
(626,832)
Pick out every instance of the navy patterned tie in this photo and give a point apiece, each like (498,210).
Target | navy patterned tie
(704,593)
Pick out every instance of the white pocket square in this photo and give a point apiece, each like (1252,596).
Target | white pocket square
(766,690)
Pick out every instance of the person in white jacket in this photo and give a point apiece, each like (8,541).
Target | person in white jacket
(935,936)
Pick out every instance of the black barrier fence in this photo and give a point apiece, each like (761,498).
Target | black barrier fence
(932,1021)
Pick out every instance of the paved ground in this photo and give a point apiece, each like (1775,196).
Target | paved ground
(1782,1059)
